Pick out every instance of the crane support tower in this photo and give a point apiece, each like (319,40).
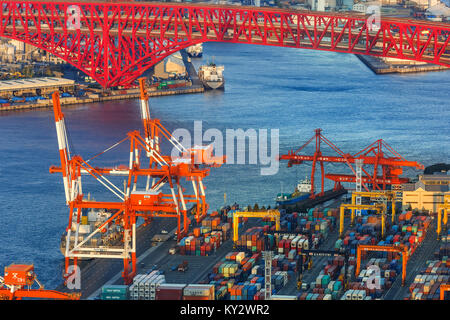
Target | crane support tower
(107,229)
(380,208)
(442,215)
(267,255)
(403,250)
(274,215)
(442,289)
(358,184)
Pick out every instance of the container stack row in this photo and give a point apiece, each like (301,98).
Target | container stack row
(426,285)
(177,291)
(144,286)
(377,277)
(329,284)
(318,223)
(203,245)
(409,232)
(207,237)
(240,276)
(253,240)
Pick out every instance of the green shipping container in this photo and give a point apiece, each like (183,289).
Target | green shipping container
(107,296)
(325,280)
(337,286)
(115,289)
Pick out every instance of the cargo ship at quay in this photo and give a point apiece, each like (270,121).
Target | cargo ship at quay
(322,245)
(195,51)
(212,77)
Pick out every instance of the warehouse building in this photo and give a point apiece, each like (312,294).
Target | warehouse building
(35,86)
(170,66)
(427,193)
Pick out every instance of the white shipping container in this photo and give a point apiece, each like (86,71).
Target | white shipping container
(306,244)
(138,277)
(294,242)
(93,216)
(199,290)
(348,295)
(300,244)
(361,294)
(84,228)
(255,270)
(283,297)
(331,285)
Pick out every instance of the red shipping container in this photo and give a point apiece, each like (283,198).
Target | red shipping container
(169,292)
(287,244)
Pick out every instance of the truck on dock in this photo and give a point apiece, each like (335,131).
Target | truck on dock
(183,266)
(160,237)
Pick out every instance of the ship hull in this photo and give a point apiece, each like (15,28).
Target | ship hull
(213,85)
(195,55)
(293,200)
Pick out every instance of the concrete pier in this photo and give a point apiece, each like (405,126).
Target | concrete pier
(196,87)
(95,98)
(378,66)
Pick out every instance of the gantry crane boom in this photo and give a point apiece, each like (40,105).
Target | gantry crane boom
(294,157)
(388,194)
(120,217)
(374,155)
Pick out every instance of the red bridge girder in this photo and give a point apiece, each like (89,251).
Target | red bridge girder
(116,42)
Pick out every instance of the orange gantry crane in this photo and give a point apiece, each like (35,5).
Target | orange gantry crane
(443,288)
(18,280)
(377,154)
(403,250)
(107,229)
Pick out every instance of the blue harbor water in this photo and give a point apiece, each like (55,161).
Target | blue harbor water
(292,90)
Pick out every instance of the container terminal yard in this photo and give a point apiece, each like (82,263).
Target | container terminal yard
(333,245)
(377,234)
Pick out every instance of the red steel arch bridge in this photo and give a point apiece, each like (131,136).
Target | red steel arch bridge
(115,42)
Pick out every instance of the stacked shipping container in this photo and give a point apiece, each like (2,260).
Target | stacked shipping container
(207,237)
(145,285)
(426,285)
